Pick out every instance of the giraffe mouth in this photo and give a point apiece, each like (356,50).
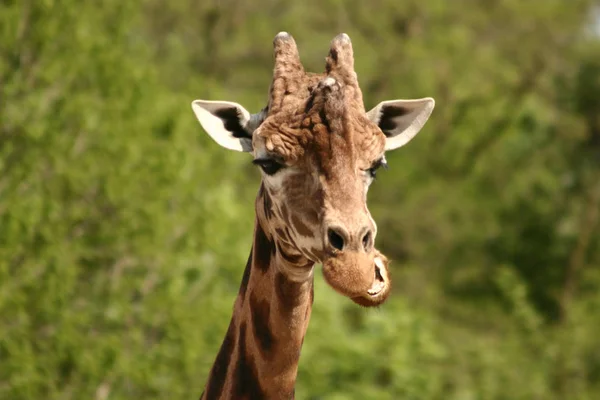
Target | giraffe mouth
(364,278)
(378,283)
(380,288)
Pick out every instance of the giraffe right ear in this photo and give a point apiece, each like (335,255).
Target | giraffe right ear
(401,120)
(229,124)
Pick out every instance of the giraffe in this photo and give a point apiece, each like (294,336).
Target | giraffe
(318,151)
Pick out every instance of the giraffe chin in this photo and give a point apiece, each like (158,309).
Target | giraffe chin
(362,277)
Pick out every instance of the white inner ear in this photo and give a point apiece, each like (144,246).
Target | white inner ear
(401,120)
(206,113)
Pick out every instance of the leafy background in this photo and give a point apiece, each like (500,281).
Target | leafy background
(124,228)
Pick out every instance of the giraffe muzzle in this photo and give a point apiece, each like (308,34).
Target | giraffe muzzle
(363,277)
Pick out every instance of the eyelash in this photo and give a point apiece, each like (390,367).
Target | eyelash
(269,166)
(376,165)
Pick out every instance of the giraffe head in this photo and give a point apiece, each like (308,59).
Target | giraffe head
(319,151)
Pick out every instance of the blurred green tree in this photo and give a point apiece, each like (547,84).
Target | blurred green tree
(123,229)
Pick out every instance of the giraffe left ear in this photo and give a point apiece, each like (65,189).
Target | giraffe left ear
(401,120)
(228,123)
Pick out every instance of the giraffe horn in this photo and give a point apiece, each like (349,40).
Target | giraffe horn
(340,60)
(339,65)
(287,59)
(288,70)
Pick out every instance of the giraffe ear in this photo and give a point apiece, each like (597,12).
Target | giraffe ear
(401,120)
(229,124)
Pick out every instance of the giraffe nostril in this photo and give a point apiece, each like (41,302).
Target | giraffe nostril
(366,241)
(335,239)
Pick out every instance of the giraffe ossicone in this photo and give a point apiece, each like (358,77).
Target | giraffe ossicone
(318,150)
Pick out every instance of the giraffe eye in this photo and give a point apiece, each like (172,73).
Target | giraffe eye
(376,165)
(269,166)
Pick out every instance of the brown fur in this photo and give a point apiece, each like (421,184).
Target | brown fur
(259,356)
(316,125)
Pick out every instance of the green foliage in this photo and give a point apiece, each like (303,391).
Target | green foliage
(124,229)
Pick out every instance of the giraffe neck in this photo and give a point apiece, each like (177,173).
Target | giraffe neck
(260,353)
